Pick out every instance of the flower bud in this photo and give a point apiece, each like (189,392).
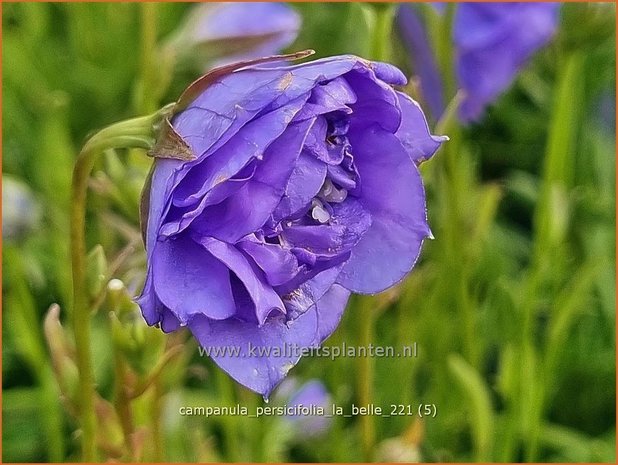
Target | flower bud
(62,354)
(96,270)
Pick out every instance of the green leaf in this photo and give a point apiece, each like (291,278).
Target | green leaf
(479,404)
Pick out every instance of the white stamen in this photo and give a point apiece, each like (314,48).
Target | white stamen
(318,212)
(330,193)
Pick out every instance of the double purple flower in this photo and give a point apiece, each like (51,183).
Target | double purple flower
(304,188)
(492,42)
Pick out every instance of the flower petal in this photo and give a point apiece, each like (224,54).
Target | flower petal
(379,103)
(240,214)
(330,310)
(414,132)
(249,143)
(303,185)
(394,195)
(190,281)
(263,296)
(278,264)
(267,352)
(308,293)
(335,95)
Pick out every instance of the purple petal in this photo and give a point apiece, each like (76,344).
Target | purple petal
(322,294)
(330,310)
(394,195)
(190,281)
(304,184)
(378,104)
(263,296)
(277,346)
(249,143)
(240,214)
(388,73)
(278,264)
(414,132)
(335,95)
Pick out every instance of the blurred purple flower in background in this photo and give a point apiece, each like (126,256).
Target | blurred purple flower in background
(304,188)
(21,213)
(424,62)
(227,32)
(493,41)
(312,393)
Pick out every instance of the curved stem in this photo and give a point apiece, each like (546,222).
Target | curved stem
(134,133)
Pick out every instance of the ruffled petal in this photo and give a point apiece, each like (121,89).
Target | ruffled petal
(330,309)
(266,353)
(303,185)
(379,103)
(248,144)
(308,293)
(414,132)
(154,311)
(263,296)
(388,73)
(393,193)
(277,263)
(190,281)
(247,210)
(335,95)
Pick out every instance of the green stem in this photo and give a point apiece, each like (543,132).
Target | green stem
(230,425)
(548,234)
(365,376)
(134,133)
(123,403)
(380,45)
(157,416)
(148,92)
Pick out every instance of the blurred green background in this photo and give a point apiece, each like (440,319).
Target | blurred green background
(512,305)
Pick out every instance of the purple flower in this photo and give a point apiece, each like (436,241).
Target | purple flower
(425,66)
(231,32)
(304,188)
(311,394)
(492,42)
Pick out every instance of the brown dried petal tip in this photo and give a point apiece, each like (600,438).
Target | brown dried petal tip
(171,145)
